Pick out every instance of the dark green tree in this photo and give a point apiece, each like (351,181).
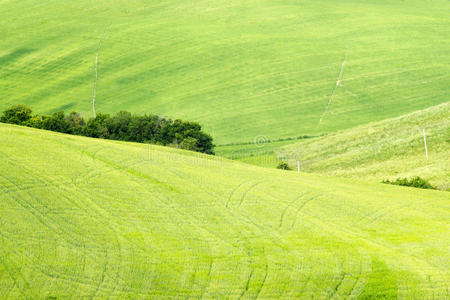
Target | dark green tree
(118,126)
(17,114)
(76,123)
(55,122)
(96,127)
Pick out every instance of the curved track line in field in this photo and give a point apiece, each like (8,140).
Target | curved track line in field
(299,210)
(336,288)
(338,83)
(385,213)
(357,278)
(232,193)
(265,277)
(288,206)
(41,216)
(14,279)
(102,278)
(34,264)
(247,284)
(304,286)
(379,213)
(244,195)
(9,289)
(186,216)
(205,287)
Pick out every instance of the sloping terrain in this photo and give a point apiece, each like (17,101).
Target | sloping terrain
(384,150)
(240,68)
(90,218)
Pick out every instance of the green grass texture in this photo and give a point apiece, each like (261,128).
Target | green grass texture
(384,150)
(240,68)
(85,218)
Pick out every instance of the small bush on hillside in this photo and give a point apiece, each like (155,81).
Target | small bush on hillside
(283,166)
(416,182)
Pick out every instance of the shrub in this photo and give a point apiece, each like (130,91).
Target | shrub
(416,182)
(283,166)
(17,114)
(55,122)
(76,123)
(96,127)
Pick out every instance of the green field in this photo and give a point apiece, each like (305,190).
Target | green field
(385,150)
(240,68)
(346,87)
(87,218)
(261,152)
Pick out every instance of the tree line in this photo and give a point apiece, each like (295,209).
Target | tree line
(122,126)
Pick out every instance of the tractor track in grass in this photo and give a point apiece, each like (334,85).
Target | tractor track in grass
(288,206)
(244,195)
(373,217)
(385,213)
(40,216)
(299,209)
(247,243)
(304,286)
(336,287)
(231,194)
(102,277)
(60,232)
(14,279)
(55,273)
(265,277)
(358,278)
(247,284)
(196,224)
(34,264)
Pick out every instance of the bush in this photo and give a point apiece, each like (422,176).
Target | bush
(55,122)
(17,114)
(416,182)
(283,166)
(96,127)
(76,123)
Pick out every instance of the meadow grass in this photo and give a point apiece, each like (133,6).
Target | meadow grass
(384,150)
(259,152)
(89,218)
(240,68)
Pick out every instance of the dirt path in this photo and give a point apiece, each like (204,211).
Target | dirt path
(94,93)
(338,83)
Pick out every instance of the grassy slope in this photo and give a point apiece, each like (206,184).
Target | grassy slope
(92,218)
(384,150)
(241,68)
(260,153)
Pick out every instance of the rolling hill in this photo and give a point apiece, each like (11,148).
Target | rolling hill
(240,68)
(384,150)
(86,218)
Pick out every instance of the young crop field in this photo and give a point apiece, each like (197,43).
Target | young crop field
(89,218)
(241,68)
(384,150)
